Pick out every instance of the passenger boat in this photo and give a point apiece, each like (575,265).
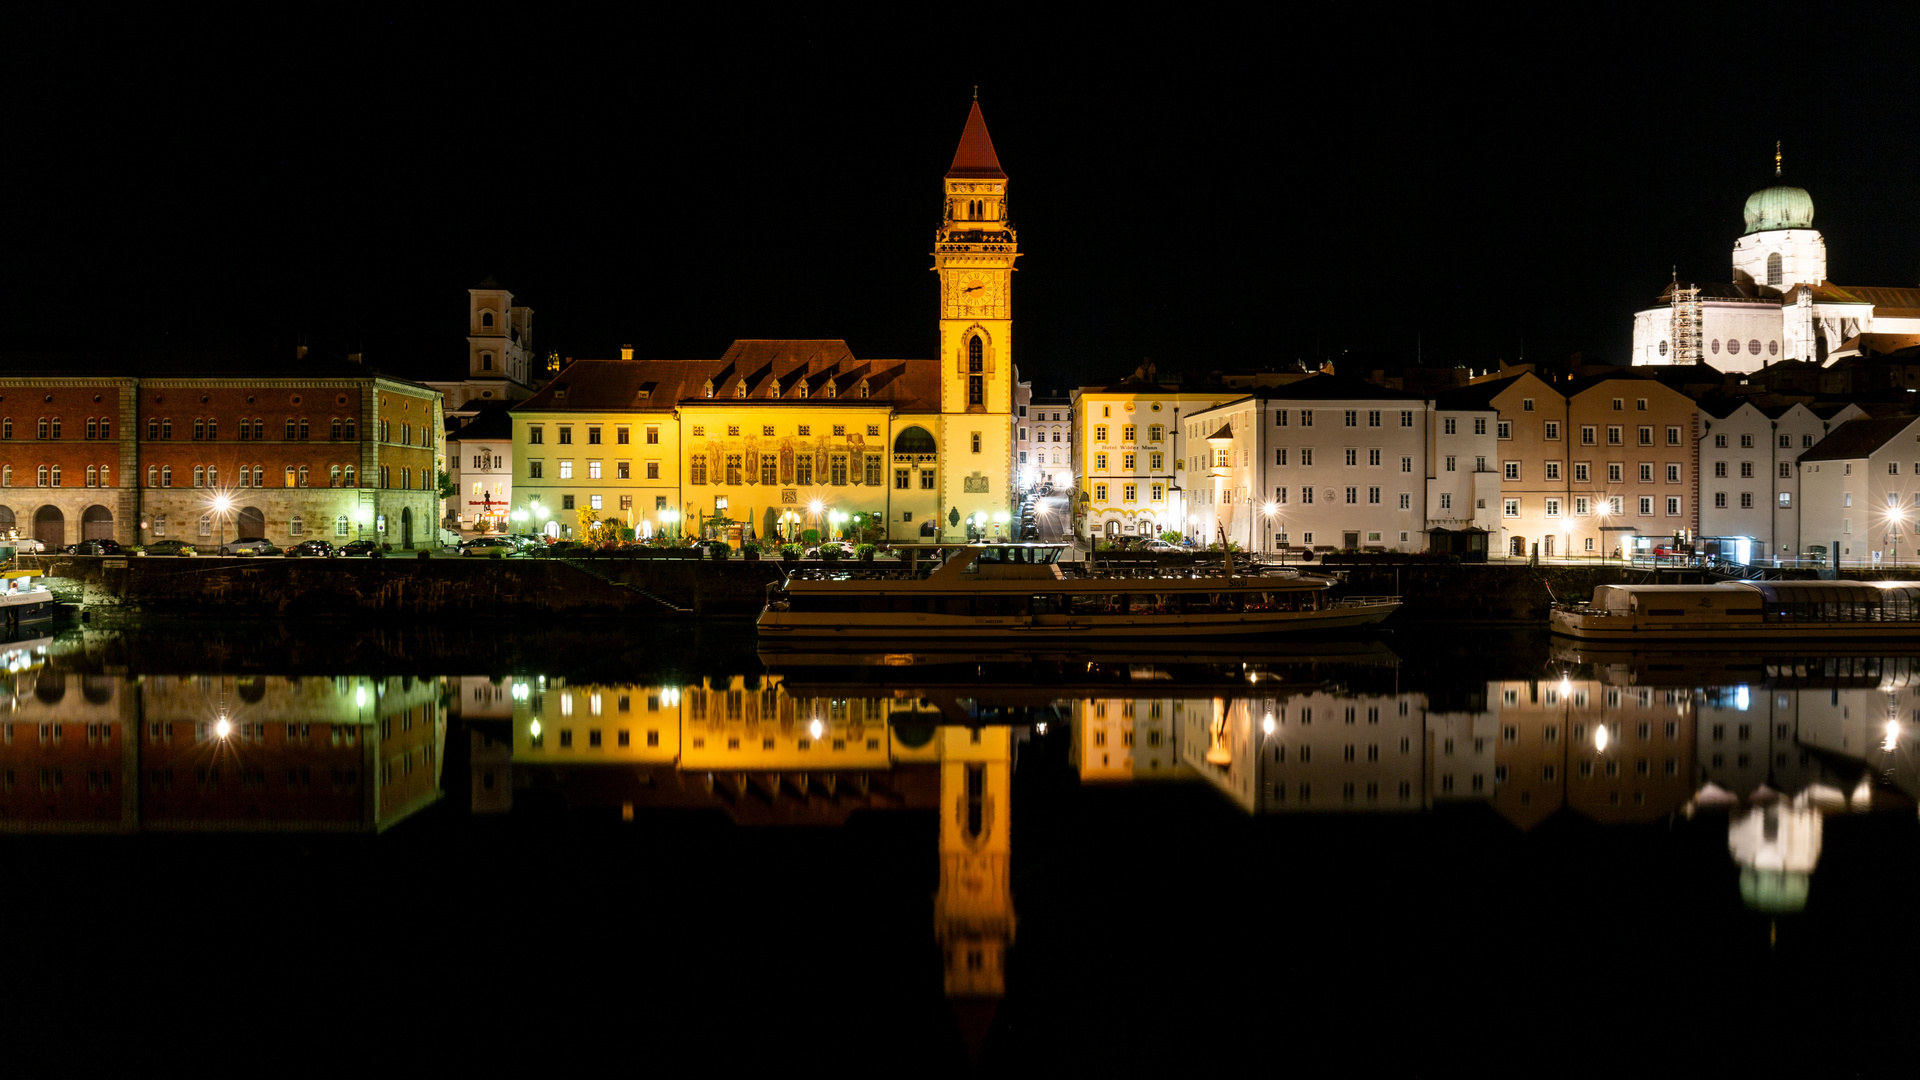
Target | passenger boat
(22,601)
(1744,611)
(1022,591)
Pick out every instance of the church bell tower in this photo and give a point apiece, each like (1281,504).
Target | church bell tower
(973,252)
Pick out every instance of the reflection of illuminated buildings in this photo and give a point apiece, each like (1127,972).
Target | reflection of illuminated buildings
(218,753)
(1127,738)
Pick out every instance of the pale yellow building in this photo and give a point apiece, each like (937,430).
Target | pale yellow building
(1129,457)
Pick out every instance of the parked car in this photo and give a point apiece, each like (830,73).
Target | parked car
(170,547)
(27,545)
(358,547)
(818,551)
(317,548)
(250,547)
(94,547)
(1159,545)
(489,545)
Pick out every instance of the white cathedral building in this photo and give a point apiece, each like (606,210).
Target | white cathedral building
(1779,305)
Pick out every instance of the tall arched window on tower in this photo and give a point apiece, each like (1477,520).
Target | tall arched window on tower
(1774,275)
(976,355)
(486,319)
(486,361)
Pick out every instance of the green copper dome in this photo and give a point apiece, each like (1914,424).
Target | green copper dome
(1779,207)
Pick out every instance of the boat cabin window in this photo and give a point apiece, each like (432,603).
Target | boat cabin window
(1010,554)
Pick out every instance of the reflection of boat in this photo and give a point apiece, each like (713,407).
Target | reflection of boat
(1020,591)
(1712,663)
(23,602)
(1744,610)
(925,652)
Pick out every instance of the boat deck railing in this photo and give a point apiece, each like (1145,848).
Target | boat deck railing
(1364,601)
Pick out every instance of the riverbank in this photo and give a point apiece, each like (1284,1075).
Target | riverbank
(114,589)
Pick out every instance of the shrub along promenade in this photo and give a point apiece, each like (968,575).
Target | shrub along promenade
(620,585)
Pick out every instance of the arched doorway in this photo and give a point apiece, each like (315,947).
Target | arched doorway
(1113,529)
(406,528)
(7,522)
(96,523)
(250,525)
(50,527)
(1518,548)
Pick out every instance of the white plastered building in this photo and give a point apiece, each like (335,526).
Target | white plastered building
(1780,304)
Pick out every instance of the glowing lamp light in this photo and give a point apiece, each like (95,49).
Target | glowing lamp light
(1271,508)
(816,506)
(816,729)
(1040,728)
(1893,736)
(221,504)
(533,729)
(222,727)
(1266,726)
(1600,738)
(1566,687)
(360,697)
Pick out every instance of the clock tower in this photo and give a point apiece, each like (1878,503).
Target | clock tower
(973,252)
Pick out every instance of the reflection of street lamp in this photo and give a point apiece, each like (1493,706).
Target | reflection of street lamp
(1600,509)
(670,517)
(814,509)
(1269,510)
(789,522)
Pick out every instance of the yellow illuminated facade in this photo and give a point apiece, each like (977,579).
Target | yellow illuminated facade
(1128,458)
(785,435)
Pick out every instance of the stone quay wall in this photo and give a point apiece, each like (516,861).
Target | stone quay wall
(1434,593)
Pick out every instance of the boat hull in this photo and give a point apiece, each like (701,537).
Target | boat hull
(776,624)
(27,610)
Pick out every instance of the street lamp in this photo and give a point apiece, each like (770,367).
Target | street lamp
(1269,510)
(670,517)
(221,504)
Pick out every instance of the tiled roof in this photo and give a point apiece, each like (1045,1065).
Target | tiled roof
(763,364)
(1225,432)
(1332,388)
(1857,438)
(975,159)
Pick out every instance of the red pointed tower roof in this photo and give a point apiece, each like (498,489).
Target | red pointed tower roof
(975,158)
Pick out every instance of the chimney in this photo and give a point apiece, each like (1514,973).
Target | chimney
(626,352)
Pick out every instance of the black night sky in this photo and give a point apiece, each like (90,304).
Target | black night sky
(1213,193)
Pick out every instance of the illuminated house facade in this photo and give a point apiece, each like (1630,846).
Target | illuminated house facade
(783,435)
(336,453)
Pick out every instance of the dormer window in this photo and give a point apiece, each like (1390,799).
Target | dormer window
(865,391)
(802,389)
(708,391)
(740,389)
(773,391)
(831,389)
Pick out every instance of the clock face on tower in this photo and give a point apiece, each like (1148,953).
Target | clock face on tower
(973,290)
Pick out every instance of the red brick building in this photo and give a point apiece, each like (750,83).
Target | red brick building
(339,452)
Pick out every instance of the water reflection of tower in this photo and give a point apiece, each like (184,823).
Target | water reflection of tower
(973,910)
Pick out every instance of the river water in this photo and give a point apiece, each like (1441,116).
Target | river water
(568,846)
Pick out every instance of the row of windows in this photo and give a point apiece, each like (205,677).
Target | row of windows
(1131,493)
(1404,501)
(1155,433)
(50,476)
(1350,417)
(1746,442)
(1583,471)
(622,469)
(255,476)
(254,429)
(50,427)
(1613,504)
(787,467)
(622,436)
(1350,456)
